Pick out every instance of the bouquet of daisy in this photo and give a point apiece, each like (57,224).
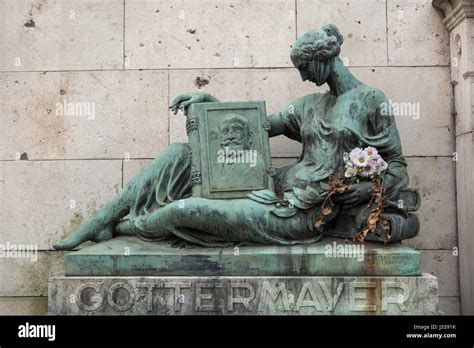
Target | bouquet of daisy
(365,163)
(360,164)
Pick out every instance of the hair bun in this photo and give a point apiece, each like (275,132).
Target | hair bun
(333,30)
(321,44)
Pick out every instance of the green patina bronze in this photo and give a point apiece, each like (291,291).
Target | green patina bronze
(328,258)
(159,201)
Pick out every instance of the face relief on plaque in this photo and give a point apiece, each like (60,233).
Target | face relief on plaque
(231,149)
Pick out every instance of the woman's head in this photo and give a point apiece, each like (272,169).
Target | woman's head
(314,52)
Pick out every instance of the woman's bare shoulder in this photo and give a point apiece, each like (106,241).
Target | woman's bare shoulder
(373,97)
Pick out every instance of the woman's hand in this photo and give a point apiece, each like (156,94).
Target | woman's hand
(356,193)
(183,101)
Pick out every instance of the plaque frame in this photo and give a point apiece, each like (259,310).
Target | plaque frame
(202,132)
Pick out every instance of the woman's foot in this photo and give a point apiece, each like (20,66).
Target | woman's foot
(83,235)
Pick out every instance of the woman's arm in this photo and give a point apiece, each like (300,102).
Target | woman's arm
(183,101)
(277,124)
(287,121)
(284,122)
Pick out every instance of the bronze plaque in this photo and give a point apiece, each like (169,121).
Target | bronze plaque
(230,150)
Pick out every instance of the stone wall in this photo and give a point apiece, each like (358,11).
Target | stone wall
(121,63)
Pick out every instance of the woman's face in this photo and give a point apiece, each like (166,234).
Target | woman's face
(316,71)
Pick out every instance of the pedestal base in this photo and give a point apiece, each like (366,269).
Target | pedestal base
(130,256)
(248,295)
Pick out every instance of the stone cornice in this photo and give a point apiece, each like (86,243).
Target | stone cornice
(455,11)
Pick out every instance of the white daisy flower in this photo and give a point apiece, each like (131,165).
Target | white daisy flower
(371,152)
(369,170)
(362,160)
(354,154)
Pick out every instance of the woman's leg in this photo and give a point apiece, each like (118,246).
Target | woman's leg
(170,173)
(210,222)
(100,226)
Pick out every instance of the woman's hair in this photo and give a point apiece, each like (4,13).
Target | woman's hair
(320,44)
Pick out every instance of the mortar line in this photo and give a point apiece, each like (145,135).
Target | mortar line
(212,68)
(74,159)
(462,133)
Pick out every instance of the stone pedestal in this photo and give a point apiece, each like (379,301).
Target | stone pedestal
(257,295)
(130,256)
(126,276)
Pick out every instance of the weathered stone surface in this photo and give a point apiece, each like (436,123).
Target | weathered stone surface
(430,133)
(443,264)
(104,116)
(465,198)
(127,256)
(186,34)
(58,35)
(449,305)
(24,305)
(43,201)
(461,43)
(279,162)
(26,277)
(362,22)
(434,177)
(464,117)
(243,295)
(416,34)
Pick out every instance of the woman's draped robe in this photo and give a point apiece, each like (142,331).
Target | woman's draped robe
(264,217)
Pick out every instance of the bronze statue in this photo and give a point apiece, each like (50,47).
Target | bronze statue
(158,200)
